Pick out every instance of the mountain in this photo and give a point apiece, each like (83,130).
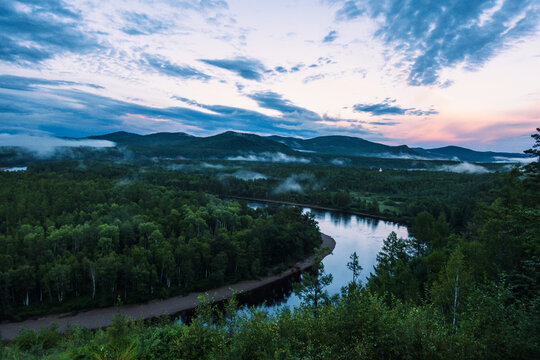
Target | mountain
(337,150)
(464,154)
(232,143)
(345,146)
(117,137)
(229,143)
(157,139)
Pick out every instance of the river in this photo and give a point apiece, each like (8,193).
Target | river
(352,233)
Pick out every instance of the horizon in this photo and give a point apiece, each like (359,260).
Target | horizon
(34,142)
(297,137)
(421,75)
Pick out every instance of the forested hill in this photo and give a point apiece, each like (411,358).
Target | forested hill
(464,154)
(180,144)
(241,144)
(76,240)
(344,145)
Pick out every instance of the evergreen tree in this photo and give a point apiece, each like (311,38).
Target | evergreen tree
(311,288)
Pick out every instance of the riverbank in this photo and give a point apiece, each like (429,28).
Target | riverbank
(317,207)
(100,318)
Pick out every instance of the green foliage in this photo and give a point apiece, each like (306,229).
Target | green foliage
(37,343)
(354,266)
(449,292)
(76,240)
(311,288)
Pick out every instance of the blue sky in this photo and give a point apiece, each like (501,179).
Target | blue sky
(424,73)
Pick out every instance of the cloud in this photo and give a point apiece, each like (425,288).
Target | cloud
(433,35)
(206,165)
(70,112)
(382,123)
(246,175)
(349,11)
(202,5)
(15,169)
(283,70)
(250,69)
(387,107)
(289,185)
(330,37)
(502,159)
(165,67)
(45,145)
(274,101)
(28,83)
(296,183)
(400,155)
(58,7)
(464,168)
(339,162)
(141,24)
(175,167)
(40,30)
(311,78)
(270,157)
(296,68)
(321,61)
(55,107)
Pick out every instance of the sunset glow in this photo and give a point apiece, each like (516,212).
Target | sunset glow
(460,73)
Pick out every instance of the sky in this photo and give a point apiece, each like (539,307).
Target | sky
(417,72)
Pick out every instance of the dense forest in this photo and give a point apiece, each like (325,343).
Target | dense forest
(396,194)
(79,240)
(466,289)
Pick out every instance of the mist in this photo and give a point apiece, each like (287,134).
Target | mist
(289,185)
(398,156)
(270,157)
(463,168)
(45,146)
(15,169)
(246,175)
(297,183)
(528,160)
(175,167)
(206,165)
(338,162)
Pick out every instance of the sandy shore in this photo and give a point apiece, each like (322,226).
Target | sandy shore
(99,318)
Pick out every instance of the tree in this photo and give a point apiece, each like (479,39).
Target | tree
(58,280)
(23,281)
(393,275)
(311,288)
(532,170)
(355,268)
(452,286)
(427,233)
(90,266)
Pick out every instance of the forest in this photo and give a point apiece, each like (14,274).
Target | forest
(72,241)
(460,287)
(393,193)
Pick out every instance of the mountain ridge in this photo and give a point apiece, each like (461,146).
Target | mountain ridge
(231,143)
(465,154)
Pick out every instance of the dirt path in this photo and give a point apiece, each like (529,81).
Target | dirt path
(99,318)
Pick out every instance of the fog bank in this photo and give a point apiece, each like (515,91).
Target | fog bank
(46,145)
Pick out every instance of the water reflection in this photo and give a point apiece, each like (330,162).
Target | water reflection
(271,297)
(352,233)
